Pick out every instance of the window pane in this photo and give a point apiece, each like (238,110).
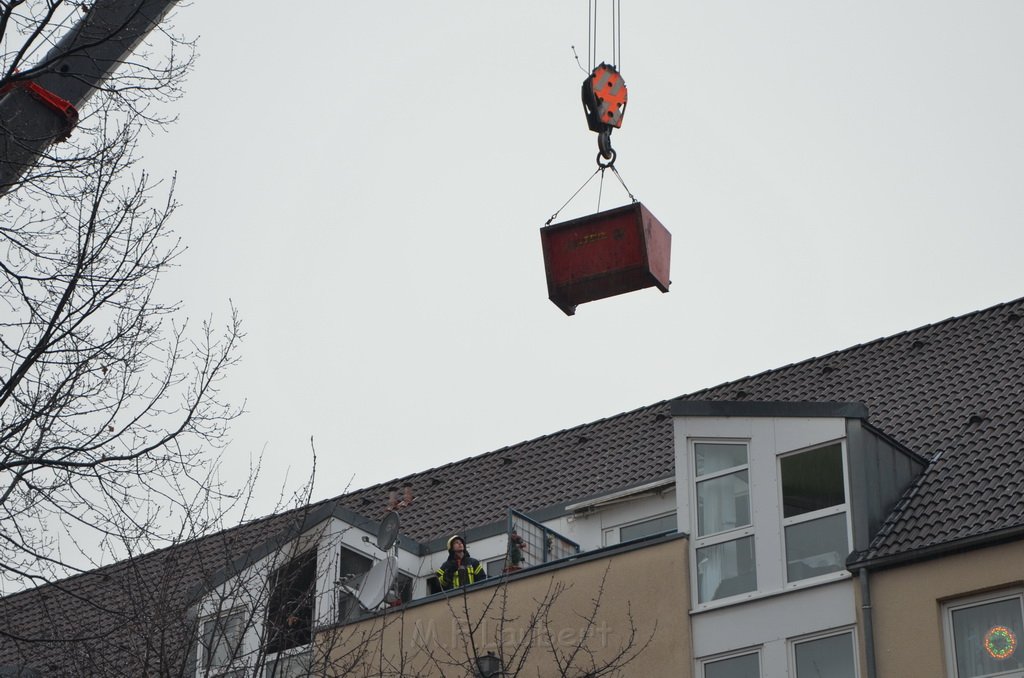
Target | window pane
(812,480)
(986,639)
(648,527)
(290,666)
(746,666)
(816,547)
(726,569)
(221,638)
(723,503)
(830,657)
(711,457)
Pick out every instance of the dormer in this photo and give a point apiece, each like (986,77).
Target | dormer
(776,495)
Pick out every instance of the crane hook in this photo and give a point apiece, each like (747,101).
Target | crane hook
(604,97)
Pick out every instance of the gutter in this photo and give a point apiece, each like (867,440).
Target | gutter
(939,550)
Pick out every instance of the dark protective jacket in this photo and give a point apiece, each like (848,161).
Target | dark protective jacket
(453,574)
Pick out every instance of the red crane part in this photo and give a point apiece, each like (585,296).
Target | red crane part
(604,98)
(60,106)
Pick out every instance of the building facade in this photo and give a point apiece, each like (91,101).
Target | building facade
(855,515)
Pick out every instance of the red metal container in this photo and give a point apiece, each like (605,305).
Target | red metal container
(605,254)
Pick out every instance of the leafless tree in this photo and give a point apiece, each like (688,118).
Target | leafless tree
(109,400)
(152,613)
(262,599)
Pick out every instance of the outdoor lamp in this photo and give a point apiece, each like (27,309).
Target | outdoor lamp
(489,666)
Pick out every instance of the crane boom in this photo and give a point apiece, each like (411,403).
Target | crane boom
(39,106)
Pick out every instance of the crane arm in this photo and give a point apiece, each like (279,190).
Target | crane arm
(40,105)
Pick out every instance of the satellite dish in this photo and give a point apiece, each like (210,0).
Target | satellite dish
(377,582)
(388,533)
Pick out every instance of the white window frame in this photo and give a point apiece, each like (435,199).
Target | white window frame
(733,534)
(486,563)
(851,631)
(649,519)
(283,655)
(844,508)
(232,666)
(973,601)
(611,536)
(732,654)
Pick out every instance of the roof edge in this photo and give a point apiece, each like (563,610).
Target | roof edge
(933,551)
(767,408)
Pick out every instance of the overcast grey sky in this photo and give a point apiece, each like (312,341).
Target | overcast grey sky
(365,181)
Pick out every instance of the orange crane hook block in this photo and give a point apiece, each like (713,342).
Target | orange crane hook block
(605,254)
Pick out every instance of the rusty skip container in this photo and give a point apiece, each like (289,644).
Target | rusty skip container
(601,255)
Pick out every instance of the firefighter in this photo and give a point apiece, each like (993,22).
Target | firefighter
(460,569)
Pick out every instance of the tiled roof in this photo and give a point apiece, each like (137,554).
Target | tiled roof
(624,450)
(951,391)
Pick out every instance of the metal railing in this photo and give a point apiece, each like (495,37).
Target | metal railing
(530,543)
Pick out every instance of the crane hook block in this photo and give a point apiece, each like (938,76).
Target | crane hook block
(604,98)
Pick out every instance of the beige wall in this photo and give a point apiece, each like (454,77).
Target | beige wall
(432,639)
(907,605)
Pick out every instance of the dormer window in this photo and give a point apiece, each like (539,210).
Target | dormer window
(814,512)
(726,565)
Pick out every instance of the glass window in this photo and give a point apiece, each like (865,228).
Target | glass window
(812,480)
(290,666)
(726,569)
(222,637)
(814,512)
(744,666)
(648,527)
(723,487)
(723,503)
(816,547)
(725,545)
(828,657)
(714,457)
(986,637)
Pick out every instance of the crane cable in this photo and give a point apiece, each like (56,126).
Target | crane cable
(592,34)
(600,170)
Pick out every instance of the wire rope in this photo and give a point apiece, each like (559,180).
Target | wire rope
(590,35)
(593,62)
(619,35)
(619,177)
(589,179)
(615,53)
